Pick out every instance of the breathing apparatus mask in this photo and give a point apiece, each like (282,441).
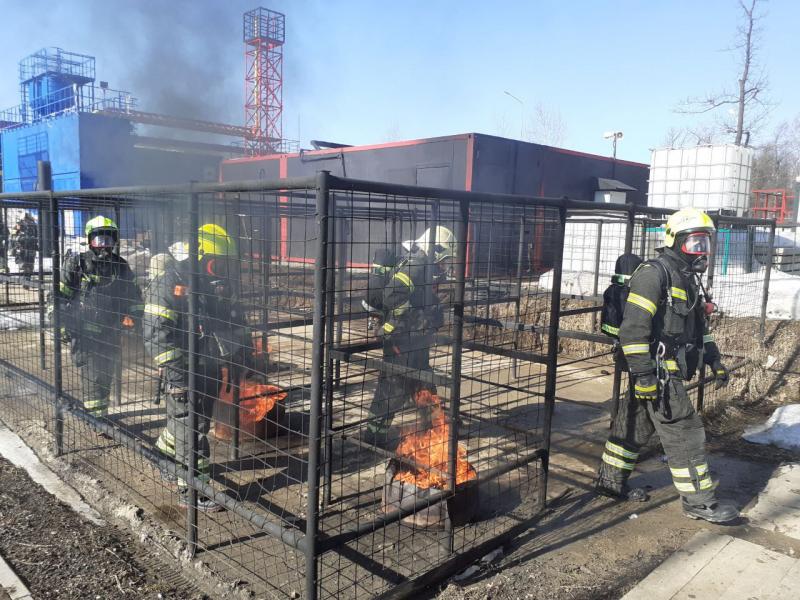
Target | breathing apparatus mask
(696,248)
(103,243)
(217,272)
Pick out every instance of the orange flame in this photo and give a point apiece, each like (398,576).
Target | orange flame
(429,449)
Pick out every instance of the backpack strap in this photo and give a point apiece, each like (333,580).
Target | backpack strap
(666,280)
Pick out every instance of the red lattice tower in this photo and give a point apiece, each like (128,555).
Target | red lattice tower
(264,32)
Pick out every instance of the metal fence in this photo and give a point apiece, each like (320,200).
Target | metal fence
(351,461)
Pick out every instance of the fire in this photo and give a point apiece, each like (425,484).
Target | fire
(429,449)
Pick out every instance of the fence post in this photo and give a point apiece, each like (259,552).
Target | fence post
(40,293)
(118,366)
(44,183)
(191,470)
(712,269)
(458,338)
(596,282)
(552,348)
(518,294)
(7,285)
(332,308)
(767,273)
(317,362)
(617,381)
(629,229)
(58,425)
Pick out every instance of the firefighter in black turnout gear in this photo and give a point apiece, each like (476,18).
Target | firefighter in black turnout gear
(223,341)
(4,238)
(98,299)
(25,244)
(664,338)
(411,313)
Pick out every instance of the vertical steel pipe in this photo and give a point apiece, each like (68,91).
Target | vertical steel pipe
(767,273)
(630,229)
(40,295)
(58,425)
(334,255)
(191,470)
(552,349)
(518,294)
(118,365)
(233,370)
(458,337)
(596,280)
(317,363)
(44,183)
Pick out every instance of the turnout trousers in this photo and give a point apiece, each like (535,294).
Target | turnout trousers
(97,360)
(174,438)
(682,436)
(396,391)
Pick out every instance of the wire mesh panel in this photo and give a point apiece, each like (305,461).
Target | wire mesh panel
(183,335)
(434,384)
(25,279)
(359,374)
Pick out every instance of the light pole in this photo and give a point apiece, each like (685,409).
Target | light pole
(613,136)
(521,113)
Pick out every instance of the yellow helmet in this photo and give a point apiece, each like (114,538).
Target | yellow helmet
(214,240)
(687,220)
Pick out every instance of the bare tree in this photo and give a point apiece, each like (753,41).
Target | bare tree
(746,102)
(546,126)
(777,162)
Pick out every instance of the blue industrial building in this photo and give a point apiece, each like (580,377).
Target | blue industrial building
(88,132)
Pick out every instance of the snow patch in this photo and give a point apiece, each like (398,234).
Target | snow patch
(782,429)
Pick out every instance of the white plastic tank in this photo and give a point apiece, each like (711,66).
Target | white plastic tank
(714,177)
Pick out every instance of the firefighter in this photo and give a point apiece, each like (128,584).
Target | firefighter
(411,313)
(664,337)
(4,237)
(25,244)
(99,299)
(223,338)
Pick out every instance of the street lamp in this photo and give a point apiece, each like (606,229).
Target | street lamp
(613,136)
(521,113)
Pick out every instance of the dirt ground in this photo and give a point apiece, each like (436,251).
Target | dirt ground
(60,555)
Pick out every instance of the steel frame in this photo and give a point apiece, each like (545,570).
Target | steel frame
(328,349)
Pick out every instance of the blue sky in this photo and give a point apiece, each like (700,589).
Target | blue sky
(364,72)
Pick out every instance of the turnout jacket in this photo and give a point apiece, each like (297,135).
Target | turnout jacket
(410,304)
(95,295)
(223,334)
(665,305)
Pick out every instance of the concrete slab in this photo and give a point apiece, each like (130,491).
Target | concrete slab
(777,508)
(712,566)
(679,569)
(10,585)
(13,449)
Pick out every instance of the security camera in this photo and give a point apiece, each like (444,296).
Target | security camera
(612,135)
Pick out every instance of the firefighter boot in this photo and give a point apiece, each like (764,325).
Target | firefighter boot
(204,504)
(379,433)
(715,512)
(620,492)
(612,478)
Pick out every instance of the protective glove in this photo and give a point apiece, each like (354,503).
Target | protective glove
(721,375)
(646,387)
